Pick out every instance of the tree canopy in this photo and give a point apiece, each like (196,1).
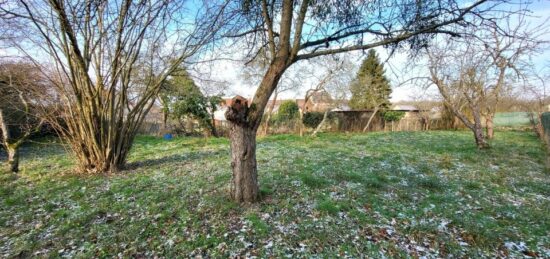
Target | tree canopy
(371,88)
(181,97)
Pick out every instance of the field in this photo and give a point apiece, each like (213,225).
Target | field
(381,194)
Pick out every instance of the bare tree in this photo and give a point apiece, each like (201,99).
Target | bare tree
(109,59)
(253,73)
(327,74)
(507,44)
(290,31)
(18,112)
(536,100)
(456,84)
(425,107)
(477,70)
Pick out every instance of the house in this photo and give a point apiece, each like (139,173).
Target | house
(409,110)
(318,101)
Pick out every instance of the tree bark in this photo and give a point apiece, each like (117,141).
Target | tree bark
(244,122)
(244,183)
(370,119)
(12,147)
(214,131)
(164,121)
(325,116)
(537,126)
(490,127)
(481,141)
(13,159)
(427,124)
(301,124)
(544,137)
(244,186)
(270,113)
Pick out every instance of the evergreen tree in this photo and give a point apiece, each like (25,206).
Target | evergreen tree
(370,88)
(182,98)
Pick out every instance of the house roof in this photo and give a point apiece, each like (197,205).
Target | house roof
(320,96)
(397,107)
(402,107)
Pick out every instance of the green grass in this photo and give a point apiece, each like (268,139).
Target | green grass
(400,194)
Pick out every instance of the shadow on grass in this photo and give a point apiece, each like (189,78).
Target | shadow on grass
(175,159)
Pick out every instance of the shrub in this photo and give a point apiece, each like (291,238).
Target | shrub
(393,115)
(312,119)
(288,111)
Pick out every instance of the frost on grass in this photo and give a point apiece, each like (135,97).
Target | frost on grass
(403,194)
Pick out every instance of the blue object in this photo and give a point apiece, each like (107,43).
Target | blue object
(168,136)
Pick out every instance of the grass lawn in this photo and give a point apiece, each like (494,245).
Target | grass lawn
(382,194)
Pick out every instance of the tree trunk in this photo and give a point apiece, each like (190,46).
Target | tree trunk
(370,119)
(269,114)
(244,186)
(165,122)
(244,183)
(244,122)
(13,159)
(11,146)
(427,124)
(490,127)
(325,116)
(301,124)
(211,125)
(481,141)
(539,129)
(302,112)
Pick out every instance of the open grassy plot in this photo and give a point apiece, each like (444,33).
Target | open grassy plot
(394,194)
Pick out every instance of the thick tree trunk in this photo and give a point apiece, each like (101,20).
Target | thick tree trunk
(244,122)
(244,183)
(244,187)
(490,127)
(481,141)
(13,159)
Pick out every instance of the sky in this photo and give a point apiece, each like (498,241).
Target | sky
(226,77)
(230,72)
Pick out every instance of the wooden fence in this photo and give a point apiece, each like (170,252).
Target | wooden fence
(347,121)
(356,121)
